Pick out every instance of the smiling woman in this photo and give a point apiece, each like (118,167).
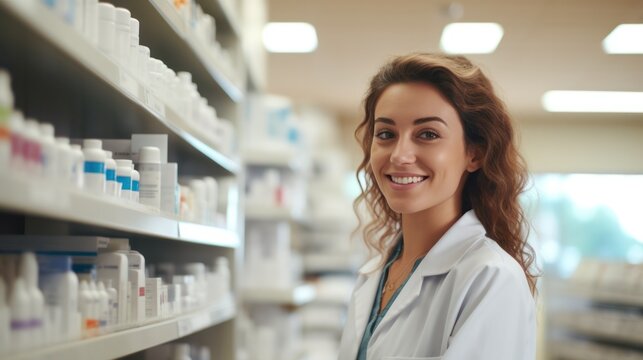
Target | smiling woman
(442,177)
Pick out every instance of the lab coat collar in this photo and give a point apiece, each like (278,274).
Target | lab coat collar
(445,253)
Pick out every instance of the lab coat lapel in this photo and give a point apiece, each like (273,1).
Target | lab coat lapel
(365,295)
(444,255)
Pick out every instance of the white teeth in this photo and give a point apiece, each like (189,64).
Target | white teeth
(407,179)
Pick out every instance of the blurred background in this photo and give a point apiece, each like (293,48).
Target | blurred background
(267,115)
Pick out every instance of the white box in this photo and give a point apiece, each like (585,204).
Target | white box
(170,194)
(153,297)
(120,148)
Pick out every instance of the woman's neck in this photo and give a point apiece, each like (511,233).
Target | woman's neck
(422,230)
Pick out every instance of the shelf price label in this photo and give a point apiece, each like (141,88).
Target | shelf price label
(155,104)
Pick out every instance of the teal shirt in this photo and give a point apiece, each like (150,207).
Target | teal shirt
(376,316)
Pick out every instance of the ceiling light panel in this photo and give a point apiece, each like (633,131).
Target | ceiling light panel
(624,39)
(471,38)
(290,37)
(593,101)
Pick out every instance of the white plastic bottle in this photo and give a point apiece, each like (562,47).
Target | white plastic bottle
(94,169)
(31,149)
(103,308)
(181,351)
(134,43)
(106,29)
(78,166)
(113,304)
(212,190)
(112,187)
(21,316)
(6,107)
(59,285)
(65,161)
(5,320)
(49,152)
(91,21)
(84,305)
(223,272)
(17,129)
(149,167)
(123,38)
(136,181)
(143,61)
(113,266)
(95,307)
(124,177)
(29,272)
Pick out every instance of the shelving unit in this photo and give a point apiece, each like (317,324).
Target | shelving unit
(60,78)
(595,321)
(297,296)
(135,339)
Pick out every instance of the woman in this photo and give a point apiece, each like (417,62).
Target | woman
(442,180)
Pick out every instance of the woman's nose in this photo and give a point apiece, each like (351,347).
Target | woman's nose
(403,153)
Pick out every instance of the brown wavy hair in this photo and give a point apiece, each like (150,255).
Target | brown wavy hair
(492,191)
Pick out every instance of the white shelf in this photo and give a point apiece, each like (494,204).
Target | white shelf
(598,295)
(583,325)
(41,20)
(267,213)
(583,350)
(207,235)
(319,263)
(132,340)
(273,155)
(297,296)
(35,197)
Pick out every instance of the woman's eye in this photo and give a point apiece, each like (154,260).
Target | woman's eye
(430,135)
(384,135)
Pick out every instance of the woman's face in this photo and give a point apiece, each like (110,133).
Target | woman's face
(419,155)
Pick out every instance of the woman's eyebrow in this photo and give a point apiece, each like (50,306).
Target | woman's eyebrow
(415,122)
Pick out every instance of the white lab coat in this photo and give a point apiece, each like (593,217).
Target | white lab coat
(468,299)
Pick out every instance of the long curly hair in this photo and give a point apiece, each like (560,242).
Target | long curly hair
(492,191)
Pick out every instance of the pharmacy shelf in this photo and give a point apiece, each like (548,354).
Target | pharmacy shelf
(207,235)
(36,197)
(609,297)
(297,296)
(583,350)
(330,263)
(581,326)
(41,21)
(224,14)
(162,25)
(267,213)
(132,340)
(272,155)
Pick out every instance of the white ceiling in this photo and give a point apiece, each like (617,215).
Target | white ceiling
(548,44)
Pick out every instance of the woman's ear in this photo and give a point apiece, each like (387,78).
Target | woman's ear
(474,158)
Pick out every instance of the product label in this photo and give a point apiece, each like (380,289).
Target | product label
(94,167)
(126,181)
(135,185)
(110,175)
(141,291)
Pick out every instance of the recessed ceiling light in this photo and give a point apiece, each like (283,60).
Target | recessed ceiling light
(593,101)
(290,37)
(624,39)
(471,38)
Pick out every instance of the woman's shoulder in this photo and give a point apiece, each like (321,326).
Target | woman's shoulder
(487,261)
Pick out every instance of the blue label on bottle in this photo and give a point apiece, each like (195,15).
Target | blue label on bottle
(126,181)
(110,174)
(134,185)
(94,167)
